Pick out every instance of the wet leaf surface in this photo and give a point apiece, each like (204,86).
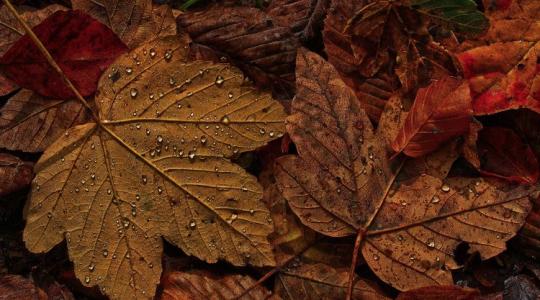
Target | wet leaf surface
(347,185)
(157,165)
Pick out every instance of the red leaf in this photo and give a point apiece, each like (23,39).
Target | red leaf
(440,292)
(503,154)
(15,174)
(440,111)
(82,47)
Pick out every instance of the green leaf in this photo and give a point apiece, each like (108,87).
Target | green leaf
(462,15)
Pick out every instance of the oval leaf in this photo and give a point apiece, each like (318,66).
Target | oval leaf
(82,47)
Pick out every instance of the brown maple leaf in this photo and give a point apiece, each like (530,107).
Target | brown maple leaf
(342,183)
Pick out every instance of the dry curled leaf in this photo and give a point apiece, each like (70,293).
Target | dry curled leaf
(156,165)
(342,183)
(134,21)
(15,174)
(304,17)
(205,285)
(440,112)
(11,30)
(321,281)
(30,123)
(263,49)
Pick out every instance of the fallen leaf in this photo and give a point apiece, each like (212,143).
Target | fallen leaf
(31,123)
(15,174)
(264,50)
(18,287)
(205,285)
(11,30)
(304,17)
(365,36)
(321,281)
(501,153)
(134,22)
(82,47)
(156,165)
(449,292)
(342,183)
(440,112)
(502,66)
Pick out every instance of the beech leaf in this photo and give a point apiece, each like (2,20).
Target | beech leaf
(501,153)
(409,226)
(264,50)
(82,47)
(11,30)
(30,123)
(156,165)
(440,112)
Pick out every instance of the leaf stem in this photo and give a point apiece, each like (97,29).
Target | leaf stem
(49,58)
(357,243)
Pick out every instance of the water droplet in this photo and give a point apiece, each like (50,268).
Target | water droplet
(203,139)
(271,134)
(435,199)
(230,95)
(191,155)
(49,215)
(375,257)
(262,131)
(192,224)
(105,253)
(220,80)
(431,244)
(87,279)
(129,70)
(153,53)
(251,211)
(91,267)
(159,190)
(225,120)
(168,55)
(172,81)
(445,188)
(133,92)
(412,257)
(159,139)
(109,191)
(144,179)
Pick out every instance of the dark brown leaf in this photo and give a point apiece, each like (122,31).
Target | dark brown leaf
(304,17)
(440,292)
(264,50)
(30,123)
(15,174)
(18,287)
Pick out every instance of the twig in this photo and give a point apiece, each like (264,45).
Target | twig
(357,243)
(49,58)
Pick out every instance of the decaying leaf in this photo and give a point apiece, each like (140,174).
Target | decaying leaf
(529,235)
(320,281)
(134,21)
(500,152)
(18,287)
(503,67)
(521,287)
(156,165)
(15,174)
(30,123)
(304,17)
(205,285)
(11,30)
(261,48)
(82,47)
(365,36)
(440,112)
(342,182)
